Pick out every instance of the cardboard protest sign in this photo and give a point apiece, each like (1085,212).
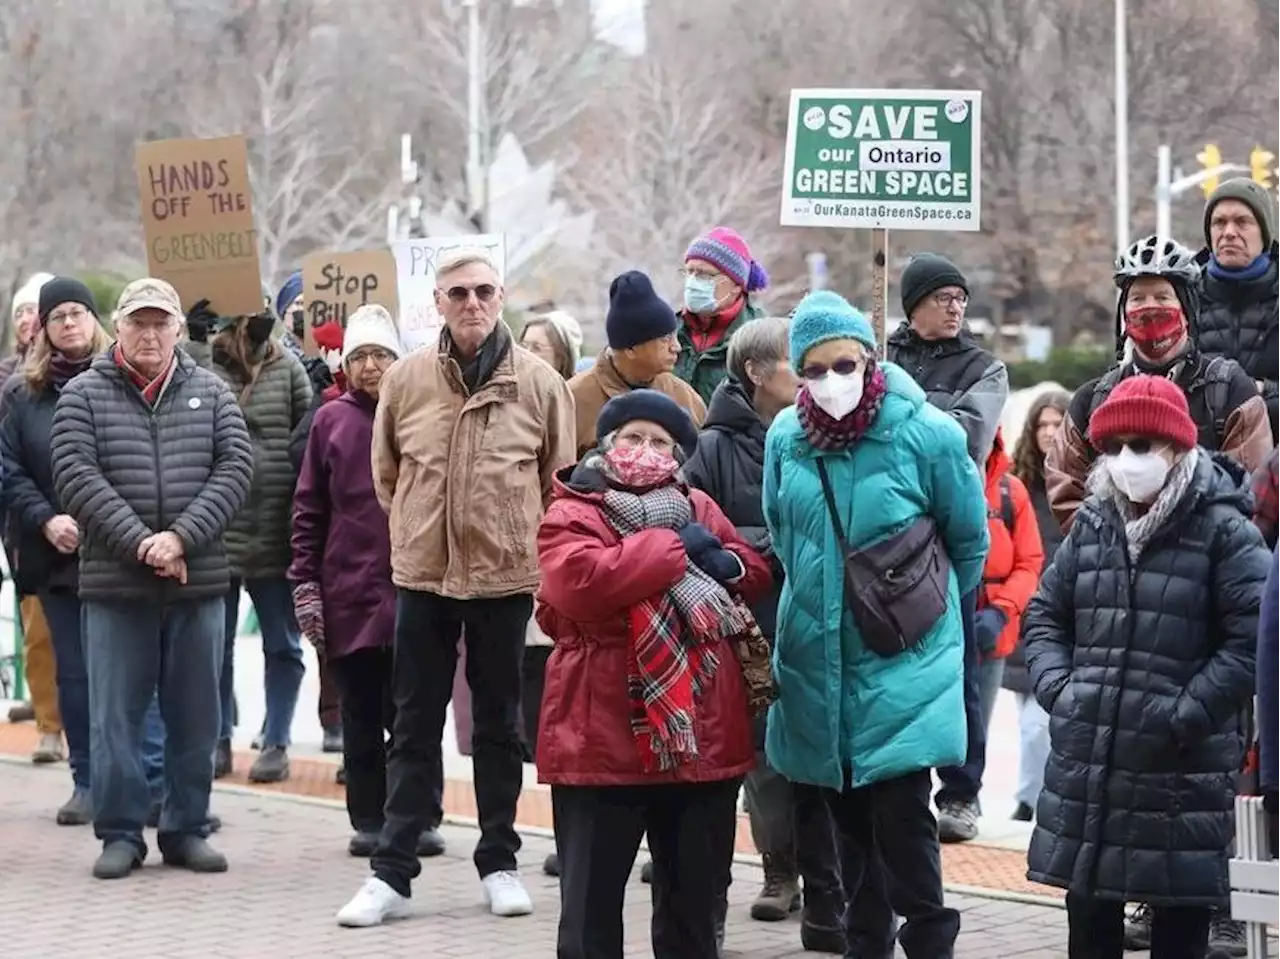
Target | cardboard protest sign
(198,219)
(335,285)
(416,270)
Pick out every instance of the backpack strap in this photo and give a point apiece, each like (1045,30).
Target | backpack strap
(1217,394)
(1006,502)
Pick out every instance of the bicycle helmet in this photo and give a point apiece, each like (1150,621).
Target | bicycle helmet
(1156,256)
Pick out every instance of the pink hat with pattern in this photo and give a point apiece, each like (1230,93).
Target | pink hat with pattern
(726,249)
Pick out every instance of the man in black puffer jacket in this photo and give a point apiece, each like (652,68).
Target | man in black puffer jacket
(152,459)
(790,824)
(1238,293)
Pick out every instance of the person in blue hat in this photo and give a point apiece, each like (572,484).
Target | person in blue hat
(876,511)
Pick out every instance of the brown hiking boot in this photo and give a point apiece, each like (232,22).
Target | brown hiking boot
(780,896)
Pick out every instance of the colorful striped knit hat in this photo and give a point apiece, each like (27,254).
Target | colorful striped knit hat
(726,249)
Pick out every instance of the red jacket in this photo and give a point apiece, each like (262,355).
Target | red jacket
(1016,556)
(590,578)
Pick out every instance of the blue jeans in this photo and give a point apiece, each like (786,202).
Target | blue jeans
(963,783)
(281,654)
(1033,752)
(990,674)
(131,650)
(62,610)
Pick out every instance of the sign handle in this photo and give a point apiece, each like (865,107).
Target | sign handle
(880,287)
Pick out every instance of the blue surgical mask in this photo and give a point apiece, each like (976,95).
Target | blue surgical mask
(700,294)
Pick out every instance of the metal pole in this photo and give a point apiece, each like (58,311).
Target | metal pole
(475,159)
(1122,127)
(1164,189)
(880,288)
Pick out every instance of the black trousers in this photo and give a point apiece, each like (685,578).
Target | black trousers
(426,653)
(598,831)
(363,681)
(1095,930)
(890,863)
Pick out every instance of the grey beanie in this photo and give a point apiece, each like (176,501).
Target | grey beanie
(1253,195)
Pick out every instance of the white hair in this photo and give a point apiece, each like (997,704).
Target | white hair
(462,256)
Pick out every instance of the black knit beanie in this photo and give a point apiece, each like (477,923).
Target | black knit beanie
(636,313)
(64,289)
(927,273)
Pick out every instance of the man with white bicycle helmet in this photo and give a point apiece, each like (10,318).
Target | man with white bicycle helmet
(1158,280)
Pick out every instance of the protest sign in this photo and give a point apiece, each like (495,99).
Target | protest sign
(335,285)
(416,261)
(890,159)
(197,215)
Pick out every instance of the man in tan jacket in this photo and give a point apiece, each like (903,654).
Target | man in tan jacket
(642,353)
(465,441)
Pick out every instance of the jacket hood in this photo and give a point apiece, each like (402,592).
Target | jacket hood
(730,410)
(998,462)
(1220,479)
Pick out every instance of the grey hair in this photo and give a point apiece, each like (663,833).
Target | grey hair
(762,341)
(456,259)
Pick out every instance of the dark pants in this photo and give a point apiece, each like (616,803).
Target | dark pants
(283,666)
(598,831)
(891,864)
(426,652)
(963,783)
(1096,930)
(534,672)
(368,715)
(131,650)
(63,612)
(330,707)
(817,856)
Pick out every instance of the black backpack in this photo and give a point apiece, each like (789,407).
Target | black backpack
(1215,378)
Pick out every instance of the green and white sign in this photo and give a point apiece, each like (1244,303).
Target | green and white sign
(892,159)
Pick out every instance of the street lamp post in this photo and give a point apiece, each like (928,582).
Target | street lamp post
(1122,127)
(1168,186)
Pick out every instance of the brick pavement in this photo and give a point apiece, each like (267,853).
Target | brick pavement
(290,873)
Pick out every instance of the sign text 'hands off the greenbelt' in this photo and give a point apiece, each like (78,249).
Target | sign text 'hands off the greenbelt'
(893,159)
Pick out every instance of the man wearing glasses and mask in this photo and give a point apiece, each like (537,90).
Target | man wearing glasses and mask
(466,438)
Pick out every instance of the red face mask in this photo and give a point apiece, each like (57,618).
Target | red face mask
(1155,329)
(640,467)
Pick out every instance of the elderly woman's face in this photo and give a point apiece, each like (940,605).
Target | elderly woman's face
(841,357)
(640,433)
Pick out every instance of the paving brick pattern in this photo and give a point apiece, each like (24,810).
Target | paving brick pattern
(290,873)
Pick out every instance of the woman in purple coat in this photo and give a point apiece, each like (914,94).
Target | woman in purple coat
(343,595)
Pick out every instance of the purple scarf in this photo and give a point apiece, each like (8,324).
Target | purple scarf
(824,432)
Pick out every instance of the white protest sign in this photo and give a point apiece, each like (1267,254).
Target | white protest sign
(416,261)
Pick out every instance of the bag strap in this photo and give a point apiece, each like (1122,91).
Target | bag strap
(1006,502)
(831,507)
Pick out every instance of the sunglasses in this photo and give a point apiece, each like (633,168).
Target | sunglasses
(459,294)
(816,371)
(1139,445)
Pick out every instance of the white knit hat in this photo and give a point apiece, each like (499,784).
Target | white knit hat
(29,293)
(570,331)
(371,325)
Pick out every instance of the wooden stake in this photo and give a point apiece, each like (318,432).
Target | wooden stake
(880,286)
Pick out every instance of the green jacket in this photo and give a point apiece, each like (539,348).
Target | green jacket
(257,541)
(704,371)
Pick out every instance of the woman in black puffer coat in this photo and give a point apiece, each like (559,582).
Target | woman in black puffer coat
(1141,646)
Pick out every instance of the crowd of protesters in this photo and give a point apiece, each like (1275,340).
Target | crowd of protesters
(731,553)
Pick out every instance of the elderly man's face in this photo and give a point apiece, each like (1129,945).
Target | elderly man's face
(470,300)
(1234,234)
(148,338)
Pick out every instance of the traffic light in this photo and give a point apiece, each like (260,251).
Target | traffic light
(1260,161)
(1210,157)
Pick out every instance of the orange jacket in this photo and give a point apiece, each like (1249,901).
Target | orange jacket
(1012,573)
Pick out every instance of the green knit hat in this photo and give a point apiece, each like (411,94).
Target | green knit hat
(1253,195)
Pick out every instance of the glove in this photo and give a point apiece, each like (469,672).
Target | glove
(200,320)
(987,627)
(308,608)
(697,539)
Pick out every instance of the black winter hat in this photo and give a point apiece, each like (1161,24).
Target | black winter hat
(927,273)
(1253,195)
(636,313)
(64,289)
(653,406)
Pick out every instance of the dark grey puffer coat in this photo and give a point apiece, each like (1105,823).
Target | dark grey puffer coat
(1145,670)
(125,471)
(258,540)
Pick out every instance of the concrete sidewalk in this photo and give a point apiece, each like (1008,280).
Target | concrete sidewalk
(290,873)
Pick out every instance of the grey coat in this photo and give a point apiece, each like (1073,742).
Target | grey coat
(125,471)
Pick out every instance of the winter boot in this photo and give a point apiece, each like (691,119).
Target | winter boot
(780,895)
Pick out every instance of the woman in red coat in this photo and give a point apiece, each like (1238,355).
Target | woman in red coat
(645,725)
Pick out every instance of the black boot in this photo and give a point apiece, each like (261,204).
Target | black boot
(822,920)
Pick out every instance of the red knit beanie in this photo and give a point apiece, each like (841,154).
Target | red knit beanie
(1149,406)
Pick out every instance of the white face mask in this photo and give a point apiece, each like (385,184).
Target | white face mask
(1139,476)
(837,394)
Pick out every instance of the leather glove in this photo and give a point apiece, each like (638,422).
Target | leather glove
(200,320)
(987,627)
(308,608)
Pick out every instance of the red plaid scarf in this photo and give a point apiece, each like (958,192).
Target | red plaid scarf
(672,655)
(151,389)
(824,432)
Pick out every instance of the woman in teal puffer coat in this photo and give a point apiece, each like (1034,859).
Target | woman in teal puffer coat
(869,728)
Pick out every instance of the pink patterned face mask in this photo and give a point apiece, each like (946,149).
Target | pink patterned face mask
(640,466)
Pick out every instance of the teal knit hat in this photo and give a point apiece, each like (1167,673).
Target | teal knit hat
(822,316)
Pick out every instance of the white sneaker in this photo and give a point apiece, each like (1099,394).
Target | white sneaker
(374,903)
(505,894)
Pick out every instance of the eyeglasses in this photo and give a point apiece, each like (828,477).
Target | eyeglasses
(945,300)
(642,439)
(71,316)
(460,294)
(700,273)
(378,357)
(841,367)
(1139,445)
